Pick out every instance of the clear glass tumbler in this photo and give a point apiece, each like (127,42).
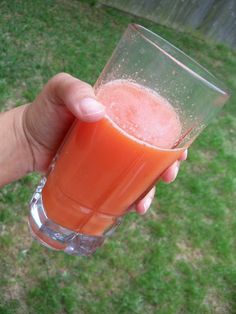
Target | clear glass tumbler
(157,102)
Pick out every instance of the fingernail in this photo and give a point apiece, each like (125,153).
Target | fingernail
(176,172)
(147,204)
(90,106)
(184,155)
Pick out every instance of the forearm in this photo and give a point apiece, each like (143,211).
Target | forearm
(15,155)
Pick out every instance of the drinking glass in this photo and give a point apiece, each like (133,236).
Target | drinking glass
(157,101)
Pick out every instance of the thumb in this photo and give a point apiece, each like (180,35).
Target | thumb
(76,95)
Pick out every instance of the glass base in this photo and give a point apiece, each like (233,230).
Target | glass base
(57,237)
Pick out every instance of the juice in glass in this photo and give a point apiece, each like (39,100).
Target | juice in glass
(105,166)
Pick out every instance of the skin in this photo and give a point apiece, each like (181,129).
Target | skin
(31,134)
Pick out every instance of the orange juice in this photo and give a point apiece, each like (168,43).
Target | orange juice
(104,167)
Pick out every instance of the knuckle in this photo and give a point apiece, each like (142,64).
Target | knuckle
(57,81)
(61,76)
(65,87)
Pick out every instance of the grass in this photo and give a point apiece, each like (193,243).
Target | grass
(181,256)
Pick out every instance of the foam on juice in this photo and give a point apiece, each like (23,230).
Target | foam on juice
(141,113)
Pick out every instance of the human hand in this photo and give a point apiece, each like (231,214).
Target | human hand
(168,176)
(47,120)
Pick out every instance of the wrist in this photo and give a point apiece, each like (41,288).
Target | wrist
(16,159)
(22,141)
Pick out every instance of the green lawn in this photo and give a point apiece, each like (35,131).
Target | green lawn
(181,256)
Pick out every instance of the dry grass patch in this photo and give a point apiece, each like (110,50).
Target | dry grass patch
(187,253)
(215,303)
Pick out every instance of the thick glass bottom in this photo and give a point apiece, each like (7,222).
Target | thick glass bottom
(55,236)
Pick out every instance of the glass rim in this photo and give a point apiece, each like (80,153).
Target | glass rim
(215,83)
